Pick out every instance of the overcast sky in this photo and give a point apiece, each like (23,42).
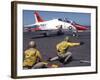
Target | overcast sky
(81,18)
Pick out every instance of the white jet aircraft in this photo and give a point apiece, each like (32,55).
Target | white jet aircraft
(55,25)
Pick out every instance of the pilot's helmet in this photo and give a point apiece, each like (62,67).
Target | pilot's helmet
(66,38)
(32,44)
(60,19)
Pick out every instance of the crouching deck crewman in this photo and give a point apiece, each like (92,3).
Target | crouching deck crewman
(32,57)
(62,50)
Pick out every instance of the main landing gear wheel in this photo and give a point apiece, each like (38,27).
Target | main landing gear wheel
(46,34)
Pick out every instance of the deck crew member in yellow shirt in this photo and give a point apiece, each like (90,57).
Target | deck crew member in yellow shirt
(32,56)
(62,50)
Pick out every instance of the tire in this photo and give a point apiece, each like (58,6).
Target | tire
(46,34)
(60,32)
(74,34)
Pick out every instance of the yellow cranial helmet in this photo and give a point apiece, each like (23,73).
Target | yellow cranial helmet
(66,38)
(32,44)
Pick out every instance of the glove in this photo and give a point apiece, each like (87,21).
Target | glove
(49,59)
(81,43)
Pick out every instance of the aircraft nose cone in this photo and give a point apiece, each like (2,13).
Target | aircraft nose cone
(80,27)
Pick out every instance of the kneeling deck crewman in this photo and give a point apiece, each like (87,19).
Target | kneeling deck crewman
(32,56)
(62,50)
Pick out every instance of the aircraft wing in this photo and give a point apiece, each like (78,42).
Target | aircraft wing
(30,25)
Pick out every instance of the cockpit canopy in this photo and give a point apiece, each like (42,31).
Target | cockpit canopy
(65,20)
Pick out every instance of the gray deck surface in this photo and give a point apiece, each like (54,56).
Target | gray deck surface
(47,46)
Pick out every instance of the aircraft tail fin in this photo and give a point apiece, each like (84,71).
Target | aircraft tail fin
(37,17)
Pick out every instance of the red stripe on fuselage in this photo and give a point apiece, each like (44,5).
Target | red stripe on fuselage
(80,27)
(35,29)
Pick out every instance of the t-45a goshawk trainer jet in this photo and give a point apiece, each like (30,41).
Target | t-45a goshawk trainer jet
(55,25)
